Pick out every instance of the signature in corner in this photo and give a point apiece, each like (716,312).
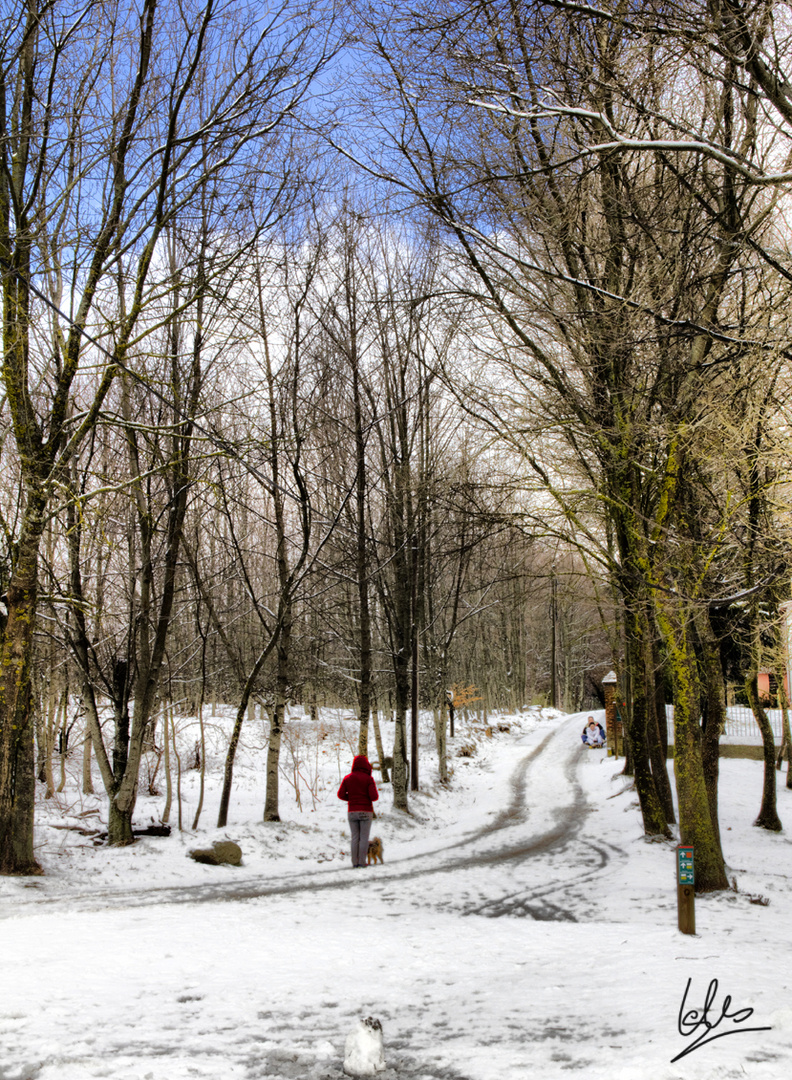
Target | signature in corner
(704,1021)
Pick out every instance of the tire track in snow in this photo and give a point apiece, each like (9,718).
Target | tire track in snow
(548,773)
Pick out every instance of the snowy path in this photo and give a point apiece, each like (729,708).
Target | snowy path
(532,849)
(174,983)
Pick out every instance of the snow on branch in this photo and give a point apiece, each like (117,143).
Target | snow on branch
(618,141)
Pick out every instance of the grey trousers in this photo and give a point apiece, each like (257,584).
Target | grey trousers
(360,827)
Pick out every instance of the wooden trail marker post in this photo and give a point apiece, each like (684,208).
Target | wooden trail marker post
(686,893)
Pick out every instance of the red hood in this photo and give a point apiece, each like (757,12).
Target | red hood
(361,764)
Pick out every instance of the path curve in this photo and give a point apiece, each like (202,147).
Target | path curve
(546,811)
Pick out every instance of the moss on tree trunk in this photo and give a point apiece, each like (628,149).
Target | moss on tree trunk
(695,818)
(17,725)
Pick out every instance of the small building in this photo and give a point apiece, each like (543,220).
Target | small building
(767,685)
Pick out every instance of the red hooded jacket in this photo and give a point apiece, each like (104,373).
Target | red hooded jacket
(358,788)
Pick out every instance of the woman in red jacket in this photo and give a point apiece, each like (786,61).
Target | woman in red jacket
(359,791)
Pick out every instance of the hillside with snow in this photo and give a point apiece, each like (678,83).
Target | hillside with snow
(521,926)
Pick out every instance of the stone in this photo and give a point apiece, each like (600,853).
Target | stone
(221,851)
(228,852)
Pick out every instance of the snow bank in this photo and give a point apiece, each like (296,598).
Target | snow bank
(521,927)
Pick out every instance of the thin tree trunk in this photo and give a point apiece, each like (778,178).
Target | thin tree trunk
(714,711)
(658,681)
(199,808)
(768,814)
(119,819)
(652,810)
(657,755)
(414,706)
(228,773)
(361,553)
(380,749)
(400,761)
(271,807)
(50,727)
(178,771)
(271,800)
(63,737)
(786,743)
(440,742)
(165,816)
(87,777)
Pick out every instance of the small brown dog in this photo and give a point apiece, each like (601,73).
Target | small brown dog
(374,851)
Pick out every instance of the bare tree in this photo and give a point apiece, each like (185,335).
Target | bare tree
(111,125)
(604,257)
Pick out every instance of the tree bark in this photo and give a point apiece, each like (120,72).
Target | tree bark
(17,726)
(768,814)
(714,710)
(652,810)
(380,749)
(87,778)
(786,743)
(695,818)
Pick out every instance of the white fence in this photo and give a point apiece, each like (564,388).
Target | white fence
(741,727)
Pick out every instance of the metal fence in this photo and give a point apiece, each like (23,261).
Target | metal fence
(740,724)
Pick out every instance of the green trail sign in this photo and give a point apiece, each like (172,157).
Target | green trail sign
(685,872)
(686,893)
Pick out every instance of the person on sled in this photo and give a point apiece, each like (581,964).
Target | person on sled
(593,734)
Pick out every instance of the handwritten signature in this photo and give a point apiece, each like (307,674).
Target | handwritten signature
(705,1021)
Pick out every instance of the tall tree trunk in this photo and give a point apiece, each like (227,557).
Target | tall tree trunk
(414,708)
(401,673)
(361,552)
(657,752)
(87,777)
(247,690)
(658,682)
(714,710)
(201,728)
(400,762)
(177,756)
(119,821)
(786,742)
(652,811)
(49,728)
(380,749)
(17,727)
(165,815)
(271,808)
(695,818)
(441,727)
(768,814)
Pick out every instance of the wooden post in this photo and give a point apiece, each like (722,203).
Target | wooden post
(686,892)
(612,724)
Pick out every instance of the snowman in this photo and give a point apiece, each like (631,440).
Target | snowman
(364,1054)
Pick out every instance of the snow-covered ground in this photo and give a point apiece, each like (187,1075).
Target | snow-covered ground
(520,928)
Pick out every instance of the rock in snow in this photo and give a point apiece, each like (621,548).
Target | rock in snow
(221,851)
(364,1053)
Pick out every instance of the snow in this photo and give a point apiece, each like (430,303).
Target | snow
(521,926)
